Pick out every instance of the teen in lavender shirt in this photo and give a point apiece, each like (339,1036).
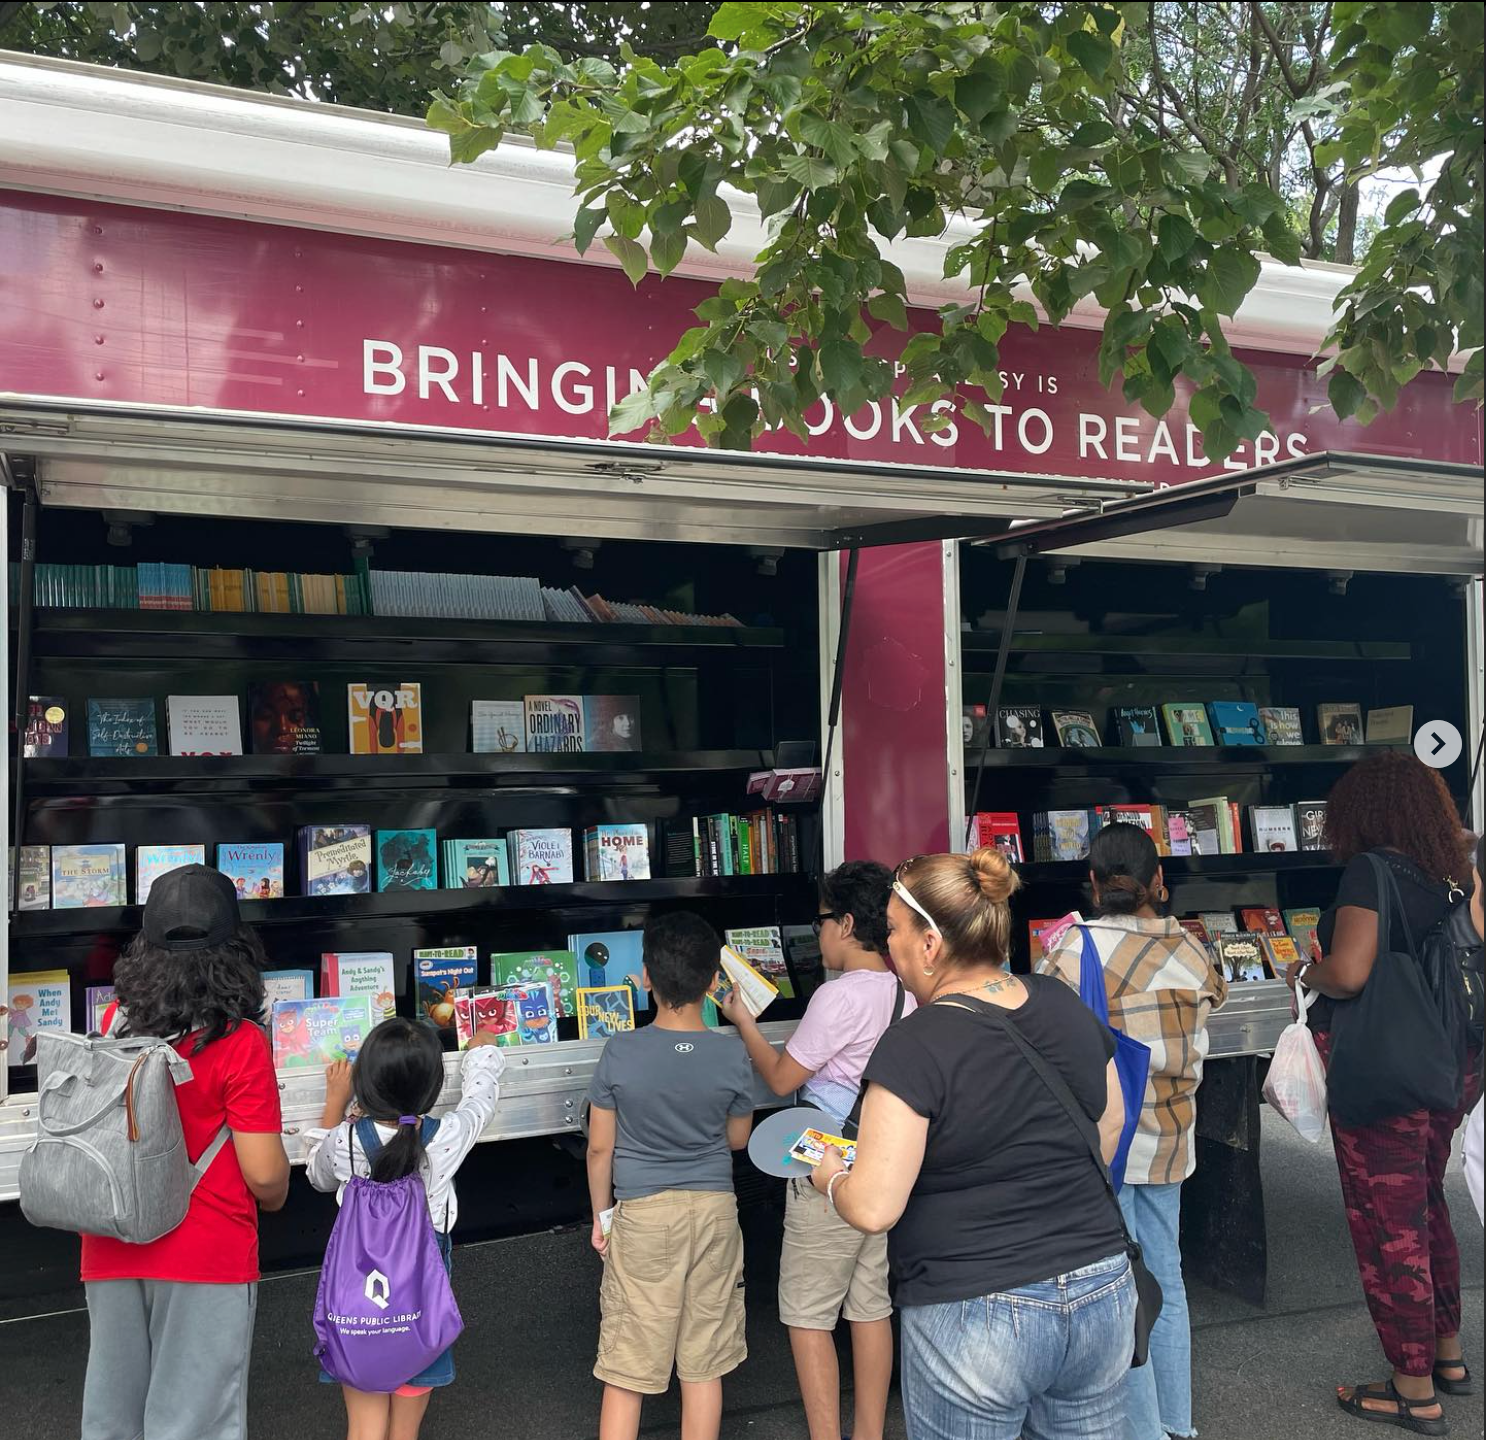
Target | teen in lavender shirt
(827,1268)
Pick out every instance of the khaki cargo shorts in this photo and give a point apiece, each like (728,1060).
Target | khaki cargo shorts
(828,1269)
(672,1292)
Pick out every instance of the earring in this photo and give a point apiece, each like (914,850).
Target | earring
(1162,894)
(928,970)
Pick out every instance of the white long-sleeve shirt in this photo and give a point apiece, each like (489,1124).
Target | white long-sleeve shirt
(1473,1158)
(329,1161)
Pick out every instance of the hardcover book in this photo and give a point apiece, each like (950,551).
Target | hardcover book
(1150,818)
(1393,725)
(46,728)
(256,870)
(1301,925)
(975,727)
(1186,724)
(88,876)
(121,727)
(617,852)
(1273,827)
(611,957)
(335,859)
(286,985)
(37,1000)
(475,864)
(311,1034)
(1019,727)
(204,724)
(605,1010)
(483,1010)
(762,946)
(1241,957)
(96,1000)
(1198,931)
(1076,729)
(999,828)
(554,724)
(802,946)
(1068,833)
(1339,724)
(498,727)
(611,723)
(1204,828)
(33,877)
(386,717)
(438,975)
(1281,724)
(153,861)
(1260,920)
(1138,725)
(543,857)
(406,860)
(284,717)
(360,972)
(556,969)
(1236,722)
(1310,820)
(1222,819)
(1218,922)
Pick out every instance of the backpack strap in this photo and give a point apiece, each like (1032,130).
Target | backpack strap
(365,1130)
(199,1169)
(849,1130)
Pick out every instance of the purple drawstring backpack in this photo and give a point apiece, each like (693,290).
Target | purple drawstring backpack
(384,1310)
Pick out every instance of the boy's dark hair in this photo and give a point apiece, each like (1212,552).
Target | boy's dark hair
(167,993)
(681,954)
(399,1072)
(860,888)
(1123,861)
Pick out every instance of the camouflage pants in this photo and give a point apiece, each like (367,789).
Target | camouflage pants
(1393,1187)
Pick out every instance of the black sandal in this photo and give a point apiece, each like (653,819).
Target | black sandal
(1462,1386)
(1404,1416)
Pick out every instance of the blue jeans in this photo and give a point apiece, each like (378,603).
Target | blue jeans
(1045,1362)
(1158,1396)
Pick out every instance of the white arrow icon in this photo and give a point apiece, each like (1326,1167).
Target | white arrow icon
(1438,744)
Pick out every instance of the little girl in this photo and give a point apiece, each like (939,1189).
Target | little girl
(396,1081)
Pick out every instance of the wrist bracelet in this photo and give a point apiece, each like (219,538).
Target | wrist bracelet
(831,1184)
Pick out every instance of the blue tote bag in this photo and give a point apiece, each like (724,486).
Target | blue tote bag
(1132,1059)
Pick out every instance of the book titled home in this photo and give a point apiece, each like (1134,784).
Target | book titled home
(1186,724)
(46,728)
(556,969)
(439,974)
(256,870)
(498,727)
(611,957)
(762,946)
(554,724)
(611,723)
(37,1000)
(204,724)
(361,972)
(121,727)
(385,717)
(475,864)
(153,861)
(88,876)
(311,1034)
(605,1010)
(32,875)
(335,859)
(284,717)
(617,852)
(542,857)
(1273,827)
(406,860)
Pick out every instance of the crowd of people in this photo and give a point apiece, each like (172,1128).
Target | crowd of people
(990,1123)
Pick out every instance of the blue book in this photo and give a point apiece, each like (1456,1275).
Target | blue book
(121,727)
(407,860)
(1236,722)
(438,975)
(611,957)
(475,864)
(256,870)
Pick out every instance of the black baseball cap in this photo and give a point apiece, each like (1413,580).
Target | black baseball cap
(191,909)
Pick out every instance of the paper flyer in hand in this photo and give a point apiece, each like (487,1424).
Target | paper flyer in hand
(736,976)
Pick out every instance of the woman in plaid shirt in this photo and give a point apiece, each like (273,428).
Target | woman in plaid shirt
(1161,985)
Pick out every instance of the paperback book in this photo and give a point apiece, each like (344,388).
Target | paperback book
(735,976)
(311,1034)
(483,1010)
(406,860)
(1236,722)
(543,857)
(616,852)
(1301,926)
(536,1022)
(1076,729)
(1280,953)
(284,717)
(439,974)
(286,985)
(204,724)
(611,957)
(32,876)
(605,1010)
(96,1000)
(556,969)
(1273,827)
(37,1000)
(1281,724)
(1260,920)
(360,972)
(554,724)
(498,727)
(1339,724)
(1178,832)
(998,828)
(1138,725)
(1186,724)
(611,723)
(153,861)
(1223,816)
(762,946)
(1392,725)
(1019,727)
(1204,828)
(385,717)
(475,864)
(1068,834)
(1150,818)
(810,1148)
(88,876)
(46,728)
(1241,957)
(256,870)
(1218,922)
(121,727)
(335,859)
(975,727)
(1310,821)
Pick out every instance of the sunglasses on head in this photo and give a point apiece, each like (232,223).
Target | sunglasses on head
(906,896)
(819,923)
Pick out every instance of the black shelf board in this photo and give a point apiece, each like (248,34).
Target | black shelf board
(191,634)
(1194,647)
(1169,757)
(385,905)
(1194,867)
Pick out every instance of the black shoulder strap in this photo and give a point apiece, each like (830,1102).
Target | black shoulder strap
(1389,896)
(849,1130)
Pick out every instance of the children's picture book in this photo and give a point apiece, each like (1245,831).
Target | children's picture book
(612,957)
(998,828)
(554,724)
(1392,725)
(1019,727)
(46,728)
(1260,920)
(1236,722)
(1138,725)
(1241,957)
(1281,724)
(802,946)
(85,877)
(204,724)
(1273,827)
(811,1148)
(311,1034)
(1076,729)
(1301,927)
(611,723)
(32,876)
(536,1021)
(121,727)
(407,860)
(543,857)
(1339,724)
(439,974)
(762,946)
(153,861)
(735,976)
(475,864)
(1310,821)
(284,717)
(1198,931)
(1218,922)
(498,727)
(975,727)
(96,1000)
(483,1010)
(360,972)
(1068,832)
(37,1000)
(386,717)
(286,985)
(335,859)
(256,870)
(1186,724)
(605,1010)
(556,969)
(1280,953)
(616,852)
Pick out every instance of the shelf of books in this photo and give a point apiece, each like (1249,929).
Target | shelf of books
(453,796)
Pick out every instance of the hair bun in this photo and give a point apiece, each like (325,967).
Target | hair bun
(994,876)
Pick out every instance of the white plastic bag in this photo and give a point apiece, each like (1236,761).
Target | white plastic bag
(1296,1084)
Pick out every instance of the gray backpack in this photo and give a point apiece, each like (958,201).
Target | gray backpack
(110,1158)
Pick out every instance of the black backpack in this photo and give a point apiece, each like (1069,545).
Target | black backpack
(1454,961)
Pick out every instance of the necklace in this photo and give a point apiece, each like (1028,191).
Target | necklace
(991,986)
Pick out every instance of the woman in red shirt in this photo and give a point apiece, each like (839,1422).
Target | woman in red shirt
(172,1322)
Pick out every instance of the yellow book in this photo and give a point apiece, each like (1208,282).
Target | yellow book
(605,1010)
(736,975)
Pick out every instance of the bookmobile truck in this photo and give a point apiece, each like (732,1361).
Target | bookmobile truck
(245,332)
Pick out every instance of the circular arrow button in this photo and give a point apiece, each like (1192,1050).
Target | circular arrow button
(1438,744)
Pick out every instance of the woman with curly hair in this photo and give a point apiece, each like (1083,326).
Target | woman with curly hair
(1393,1171)
(171,1322)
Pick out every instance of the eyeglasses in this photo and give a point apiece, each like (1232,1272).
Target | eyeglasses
(819,923)
(906,896)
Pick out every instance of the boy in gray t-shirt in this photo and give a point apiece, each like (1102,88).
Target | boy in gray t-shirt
(669,1105)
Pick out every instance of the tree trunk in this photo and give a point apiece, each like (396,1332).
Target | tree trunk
(1346,226)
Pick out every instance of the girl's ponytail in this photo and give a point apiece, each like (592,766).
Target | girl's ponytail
(397,1079)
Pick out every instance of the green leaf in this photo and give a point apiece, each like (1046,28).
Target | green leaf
(841,368)
(631,413)
(1186,167)
(626,214)
(585,226)
(1346,393)
(667,250)
(1231,274)
(809,171)
(889,308)
(469,144)
(831,136)
(1256,203)
(1281,241)
(1094,53)
(731,21)
(930,119)
(980,92)
(723,369)
(630,254)
(1175,236)
(1401,207)
(444,115)
(1022,312)
(712,220)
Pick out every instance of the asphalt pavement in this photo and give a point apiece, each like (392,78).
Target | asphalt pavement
(531,1309)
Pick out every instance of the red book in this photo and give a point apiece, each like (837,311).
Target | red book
(998,828)
(1261,921)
